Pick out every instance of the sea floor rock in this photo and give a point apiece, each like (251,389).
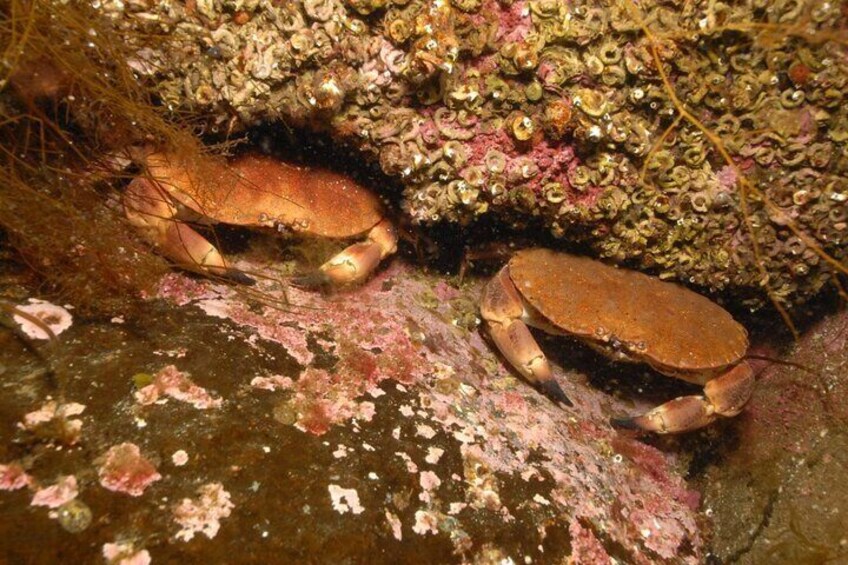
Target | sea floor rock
(370,424)
(779,493)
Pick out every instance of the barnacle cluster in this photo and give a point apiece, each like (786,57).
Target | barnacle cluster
(704,140)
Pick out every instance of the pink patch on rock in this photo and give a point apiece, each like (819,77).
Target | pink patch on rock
(57,419)
(56,318)
(125,553)
(394,523)
(318,411)
(203,514)
(425,523)
(182,289)
(125,470)
(55,496)
(585,546)
(13,477)
(174,383)
(445,292)
(272,383)
(727,178)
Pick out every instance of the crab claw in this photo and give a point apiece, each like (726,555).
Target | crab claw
(312,280)
(552,390)
(724,395)
(239,277)
(356,262)
(502,309)
(624,423)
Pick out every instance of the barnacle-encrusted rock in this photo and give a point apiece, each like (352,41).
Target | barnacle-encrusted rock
(558,110)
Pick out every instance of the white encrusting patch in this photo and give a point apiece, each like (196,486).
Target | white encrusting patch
(345,500)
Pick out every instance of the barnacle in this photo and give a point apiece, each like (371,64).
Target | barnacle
(534,91)
(320,10)
(592,102)
(557,122)
(560,65)
(467,5)
(521,126)
(399,29)
(554,192)
(366,7)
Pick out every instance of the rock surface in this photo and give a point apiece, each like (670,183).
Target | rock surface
(779,494)
(374,424)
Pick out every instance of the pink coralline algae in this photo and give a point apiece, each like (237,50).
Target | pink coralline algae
(13,477)
(125,470)
(177,385)
(55,421)
(56,495)
(272,383)
(50,410)
(315,413)
(203,514)
(586,548)
(125,553)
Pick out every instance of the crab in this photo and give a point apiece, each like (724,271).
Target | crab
(257,191)
(628,316)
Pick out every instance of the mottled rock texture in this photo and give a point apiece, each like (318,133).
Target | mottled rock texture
(779,495)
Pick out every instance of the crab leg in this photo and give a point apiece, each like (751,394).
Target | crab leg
(149,208)
(356,262)
(503,309)
(724,395)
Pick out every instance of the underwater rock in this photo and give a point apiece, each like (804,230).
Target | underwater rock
(380,420)
(472,439)
(779,493)
(553,112)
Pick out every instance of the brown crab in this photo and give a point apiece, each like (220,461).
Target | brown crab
(261,192)
(628,316)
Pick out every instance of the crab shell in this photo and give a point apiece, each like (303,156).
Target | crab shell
(629,314)
(259,191)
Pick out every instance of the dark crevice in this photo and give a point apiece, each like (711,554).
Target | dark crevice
(762,525)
